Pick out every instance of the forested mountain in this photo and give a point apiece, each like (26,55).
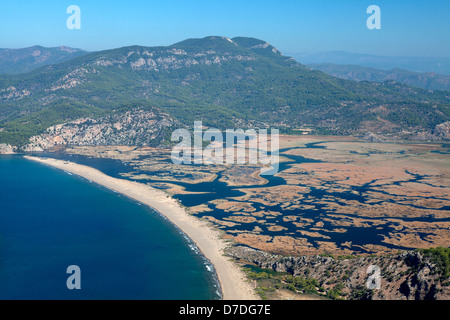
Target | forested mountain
(226,83)
(15,61)
(440,65)
(427,80)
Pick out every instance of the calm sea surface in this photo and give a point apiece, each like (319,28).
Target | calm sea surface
(50,220)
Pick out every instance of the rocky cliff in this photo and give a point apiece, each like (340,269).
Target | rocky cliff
(137,127)
(440,133)
(7,148)
(414,275)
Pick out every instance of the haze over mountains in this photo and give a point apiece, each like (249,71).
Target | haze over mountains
(415,64)
(426,80)
(226,83)
(15,61)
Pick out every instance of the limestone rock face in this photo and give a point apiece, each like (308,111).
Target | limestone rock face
(440,133)
(443,130)
(7,148)
(404,276)
(371,137)
(137,127)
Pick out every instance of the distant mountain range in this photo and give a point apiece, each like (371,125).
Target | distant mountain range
(226,83)
(15,61)
(416,64)
(428,80)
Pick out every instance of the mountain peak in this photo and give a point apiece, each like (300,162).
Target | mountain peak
(223,82)
(218,38)
(256,44)
(225,43)
(68,49)
(248,41)
(210,42)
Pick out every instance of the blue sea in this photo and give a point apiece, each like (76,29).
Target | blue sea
(50,220)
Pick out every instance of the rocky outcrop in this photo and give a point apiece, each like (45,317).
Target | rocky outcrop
(420,286)
(371,137)
(170,59)
(440,133)
(136,127)
(7,148)
(405,276)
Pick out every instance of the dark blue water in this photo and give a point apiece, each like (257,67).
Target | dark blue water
(50,220)
(217,189)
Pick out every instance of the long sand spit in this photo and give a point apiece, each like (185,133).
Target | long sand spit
(232,279)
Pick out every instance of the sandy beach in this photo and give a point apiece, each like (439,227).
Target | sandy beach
(231,278)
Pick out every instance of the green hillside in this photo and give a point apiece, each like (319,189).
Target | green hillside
(224,82)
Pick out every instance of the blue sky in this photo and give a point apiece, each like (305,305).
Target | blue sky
(408,27)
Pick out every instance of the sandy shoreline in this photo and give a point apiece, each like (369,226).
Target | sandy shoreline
(207,239)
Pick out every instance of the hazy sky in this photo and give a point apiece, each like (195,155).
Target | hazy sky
(408,27)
